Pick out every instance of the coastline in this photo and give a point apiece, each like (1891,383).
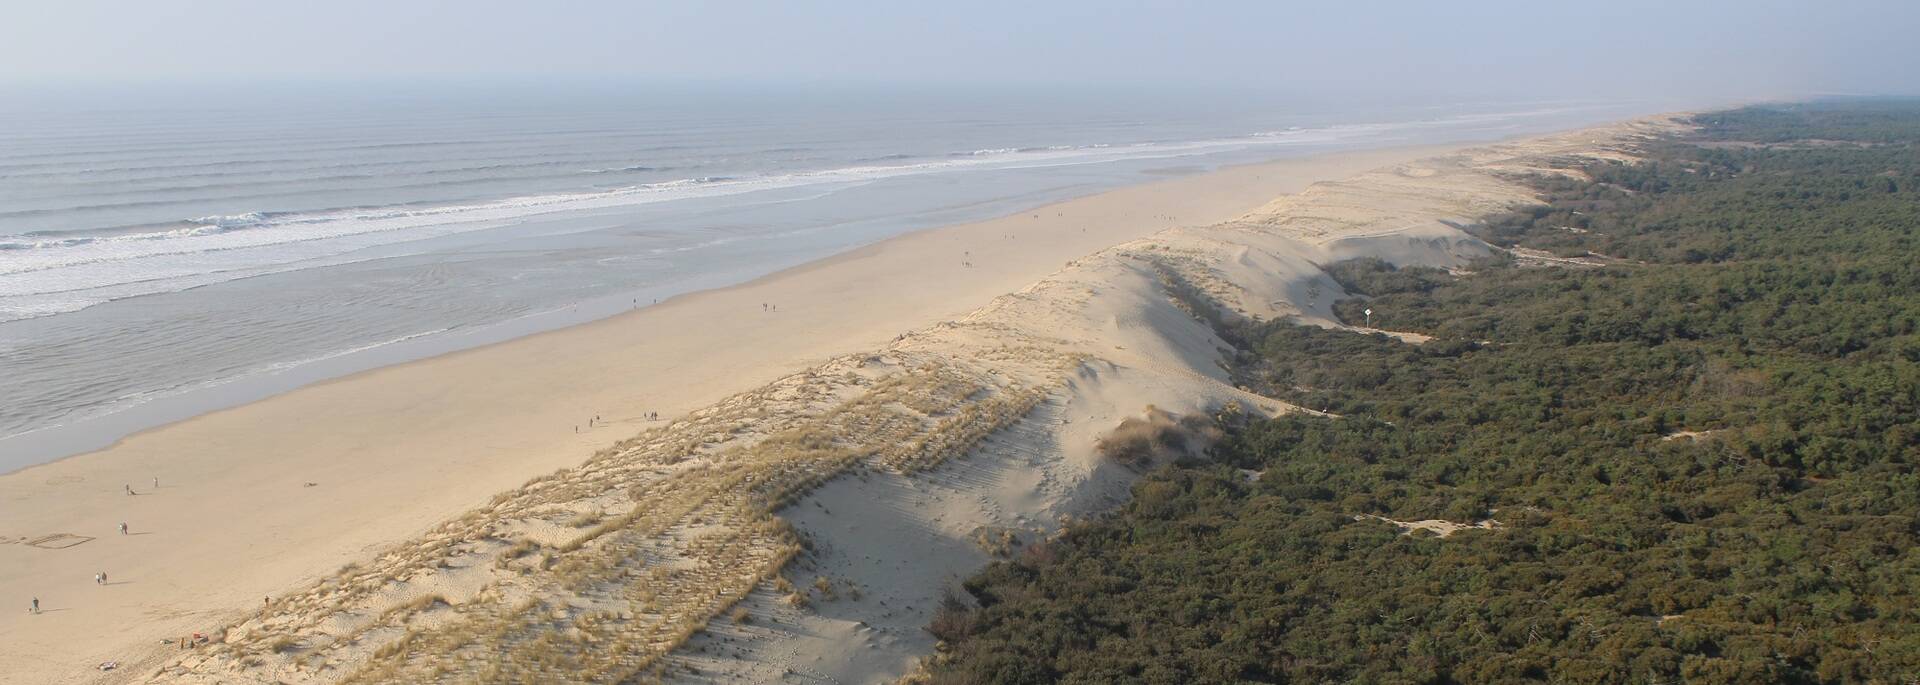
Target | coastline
(25,450)
(394,449)
(81,388)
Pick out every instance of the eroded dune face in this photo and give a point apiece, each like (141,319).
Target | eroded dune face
(812,525)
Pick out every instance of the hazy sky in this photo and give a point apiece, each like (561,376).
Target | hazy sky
(1603,47)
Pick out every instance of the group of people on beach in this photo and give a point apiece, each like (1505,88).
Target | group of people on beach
(596,421)
(33,607)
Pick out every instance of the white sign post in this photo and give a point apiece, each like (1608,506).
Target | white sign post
(1369,317)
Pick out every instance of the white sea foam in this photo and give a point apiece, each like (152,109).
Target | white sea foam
(49,275)
(94,221)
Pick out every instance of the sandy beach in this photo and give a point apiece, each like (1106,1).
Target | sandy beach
(235,510)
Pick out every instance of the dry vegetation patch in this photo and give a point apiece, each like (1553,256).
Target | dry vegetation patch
(592,574)
(1140,441)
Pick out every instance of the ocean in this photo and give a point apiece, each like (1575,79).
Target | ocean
(168,252)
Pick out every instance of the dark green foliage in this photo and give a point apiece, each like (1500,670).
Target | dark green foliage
(1373,276)
(1773,301)
(1856,120)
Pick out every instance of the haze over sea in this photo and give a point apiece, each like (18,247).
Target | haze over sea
(165,253)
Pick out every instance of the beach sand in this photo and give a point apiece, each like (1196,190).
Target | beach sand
(262,500)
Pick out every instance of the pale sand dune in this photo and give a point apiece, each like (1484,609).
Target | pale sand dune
(902,540)
(1439,527)
(394,451)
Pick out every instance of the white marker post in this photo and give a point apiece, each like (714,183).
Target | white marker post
(1369,317)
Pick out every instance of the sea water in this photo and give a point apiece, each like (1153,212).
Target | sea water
(165,252)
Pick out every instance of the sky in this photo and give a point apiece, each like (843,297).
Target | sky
(1612,48)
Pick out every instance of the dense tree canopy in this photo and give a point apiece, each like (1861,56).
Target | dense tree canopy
(1699,461)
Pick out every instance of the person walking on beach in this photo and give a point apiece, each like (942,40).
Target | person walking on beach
(156,483)
(36,605)
(123,527)
(129,487)
(100,578)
